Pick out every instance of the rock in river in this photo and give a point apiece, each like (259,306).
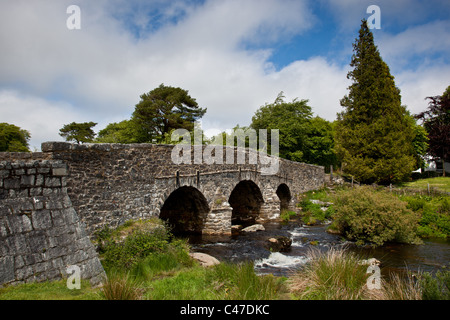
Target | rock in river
(279,244)
(253,228)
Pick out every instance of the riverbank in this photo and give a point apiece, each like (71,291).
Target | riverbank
(167,272)
(144,261)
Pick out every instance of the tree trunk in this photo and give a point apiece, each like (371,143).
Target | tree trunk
(443,167)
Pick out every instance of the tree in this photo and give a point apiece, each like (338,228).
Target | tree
(373,134)
(436,120)
(320,143)
(13,139)
(292,119)
(122,132)
(420,142)
(79,132)
(164,109)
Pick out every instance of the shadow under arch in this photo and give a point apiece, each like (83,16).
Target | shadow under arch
(284,194)
(246,200)
(185,211)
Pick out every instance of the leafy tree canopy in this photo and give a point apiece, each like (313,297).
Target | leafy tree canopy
(122,132)
(292,119)
(164,109)
(79,132)
(436,121)
(302,137)
(13,139)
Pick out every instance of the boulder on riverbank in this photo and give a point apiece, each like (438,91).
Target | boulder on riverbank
(204,259)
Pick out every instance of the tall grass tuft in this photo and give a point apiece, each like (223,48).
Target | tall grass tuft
(399,287)
(240,282)
(332,275)
(121,287)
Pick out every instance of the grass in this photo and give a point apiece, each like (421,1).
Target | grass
(121,286)
(287,215)
(434,214)
(333,275)
(166,271)
(241,282)
(399,287)
(313,213)
(222,282)
(148,263)
(50,290)
(339,275)
(438,183)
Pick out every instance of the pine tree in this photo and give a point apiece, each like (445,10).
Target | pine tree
(164,109)
(373,134)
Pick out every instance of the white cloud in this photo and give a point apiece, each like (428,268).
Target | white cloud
(422,40)
(98,73)
(102,69)
(40,117)
(422,83)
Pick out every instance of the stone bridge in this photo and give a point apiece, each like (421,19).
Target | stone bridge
(52,202)
(110,184)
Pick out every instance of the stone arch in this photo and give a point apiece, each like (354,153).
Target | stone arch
(284,194)
(246,200)
(185,210)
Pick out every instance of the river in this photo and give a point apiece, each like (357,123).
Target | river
(431,256)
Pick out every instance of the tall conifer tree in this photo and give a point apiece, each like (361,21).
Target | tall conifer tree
(373,134)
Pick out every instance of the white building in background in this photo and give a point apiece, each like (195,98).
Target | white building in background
(431,165)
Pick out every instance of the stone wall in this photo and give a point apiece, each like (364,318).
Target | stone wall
(40,231)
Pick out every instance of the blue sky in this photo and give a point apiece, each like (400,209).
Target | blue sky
(233,56)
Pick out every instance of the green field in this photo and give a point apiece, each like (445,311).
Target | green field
(439,183)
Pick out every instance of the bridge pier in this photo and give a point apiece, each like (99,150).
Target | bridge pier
(218,221)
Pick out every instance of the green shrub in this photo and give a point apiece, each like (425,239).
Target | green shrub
(374,217)
(434,213)
(175,258)
(435,288)
(287,215)
(126,246)
(312,213)
(126,253)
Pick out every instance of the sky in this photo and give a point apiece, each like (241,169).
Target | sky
(232,56)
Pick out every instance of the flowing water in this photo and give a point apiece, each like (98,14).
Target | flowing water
(432,256)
